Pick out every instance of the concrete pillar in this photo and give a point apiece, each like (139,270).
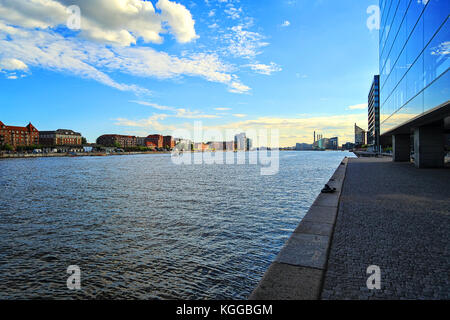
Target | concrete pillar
(429,146)
(401,147)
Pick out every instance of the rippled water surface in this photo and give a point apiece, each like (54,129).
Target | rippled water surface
(143,227)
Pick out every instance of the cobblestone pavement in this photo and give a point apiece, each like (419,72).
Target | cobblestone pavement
(396,217)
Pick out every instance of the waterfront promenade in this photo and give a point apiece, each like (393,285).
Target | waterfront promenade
(396,217)
(384,213)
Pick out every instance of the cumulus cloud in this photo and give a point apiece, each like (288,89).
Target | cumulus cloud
(286,23)
(50,50)
(179,19)
(119,22)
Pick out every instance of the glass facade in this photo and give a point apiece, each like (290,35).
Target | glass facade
(414,58)
(373,132)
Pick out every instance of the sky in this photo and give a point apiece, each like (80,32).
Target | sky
(142,67)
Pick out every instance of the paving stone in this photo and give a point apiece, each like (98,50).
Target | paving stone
(307,250)
(286,282)
(310,227)
(321,214)
(327,199)
(397,217)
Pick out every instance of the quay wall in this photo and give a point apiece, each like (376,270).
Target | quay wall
(299,269)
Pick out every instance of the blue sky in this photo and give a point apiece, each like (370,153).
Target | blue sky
(138,69)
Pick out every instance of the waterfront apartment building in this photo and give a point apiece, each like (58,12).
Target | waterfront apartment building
(373,132)
(60,137)
(18,136)
(111,140)
(140,141)
(168,142)
(360,136)
(183,145)
(415,79)
(155,141)
(200,146)
(240,141)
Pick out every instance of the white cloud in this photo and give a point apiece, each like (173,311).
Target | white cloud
(179,19)
(238,87)
(49,50)
(244,43)
(233,12)
(286,23)
(119,22)
(178,112)
(151,122)
(12,64)
(222,109)
(361,106)
(239,115)
(264,68)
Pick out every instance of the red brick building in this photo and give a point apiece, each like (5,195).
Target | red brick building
(18,136)
(111,140)
(155,140)
(60,137)
(168,142)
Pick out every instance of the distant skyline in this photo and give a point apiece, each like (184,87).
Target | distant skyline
(141,67)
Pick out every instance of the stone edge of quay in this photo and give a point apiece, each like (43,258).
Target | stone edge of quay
(298,271)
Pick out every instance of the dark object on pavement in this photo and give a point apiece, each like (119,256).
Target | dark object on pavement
(327,189)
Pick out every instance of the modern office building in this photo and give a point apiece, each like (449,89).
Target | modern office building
(322,143)
(360,136)
(333,143)
(348,146)
(373,132)
(414,79)
(60,137)
(18,136)
(249,144)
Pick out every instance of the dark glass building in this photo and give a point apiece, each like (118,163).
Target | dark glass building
(414,78)
(373,132)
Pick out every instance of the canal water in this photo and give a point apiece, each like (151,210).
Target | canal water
(142,227)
